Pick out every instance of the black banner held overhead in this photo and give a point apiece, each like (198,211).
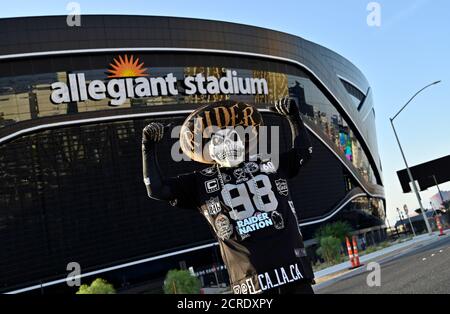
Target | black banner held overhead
(426,174)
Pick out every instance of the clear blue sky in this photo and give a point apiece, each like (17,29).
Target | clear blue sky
(408,51)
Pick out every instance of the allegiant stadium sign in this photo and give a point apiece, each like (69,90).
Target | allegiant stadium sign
(128,79)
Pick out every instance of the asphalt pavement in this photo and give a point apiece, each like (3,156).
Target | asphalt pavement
(423,268)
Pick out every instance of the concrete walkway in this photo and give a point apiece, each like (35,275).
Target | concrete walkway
(337,270)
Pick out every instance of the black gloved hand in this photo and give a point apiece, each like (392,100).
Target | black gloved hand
(154,132)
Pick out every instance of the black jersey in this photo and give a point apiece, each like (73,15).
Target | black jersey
(249,208)
(251,212)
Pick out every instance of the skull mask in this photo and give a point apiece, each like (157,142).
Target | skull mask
(226,148)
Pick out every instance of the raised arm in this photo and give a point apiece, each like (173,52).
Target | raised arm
(178,191)
(301,151)
(152,134)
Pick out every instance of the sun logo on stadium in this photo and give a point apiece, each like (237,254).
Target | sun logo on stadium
(126,67)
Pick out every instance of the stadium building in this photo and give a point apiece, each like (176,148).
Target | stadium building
(74,100)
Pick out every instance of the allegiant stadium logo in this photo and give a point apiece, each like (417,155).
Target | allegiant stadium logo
(127,78)
(124,67)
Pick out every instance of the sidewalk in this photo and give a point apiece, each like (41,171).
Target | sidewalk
(339,269)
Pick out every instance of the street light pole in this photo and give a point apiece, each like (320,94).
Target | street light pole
(411,179)
(439,189)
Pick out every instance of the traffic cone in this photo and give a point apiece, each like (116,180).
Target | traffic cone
(355,253)
(439,225)
(350,253)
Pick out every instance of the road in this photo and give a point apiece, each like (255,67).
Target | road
(422,269)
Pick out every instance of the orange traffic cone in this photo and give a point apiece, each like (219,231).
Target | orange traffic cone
(439,225)
(350,253)
(355,253)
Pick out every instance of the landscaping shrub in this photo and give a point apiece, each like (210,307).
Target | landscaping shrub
(181,282)
(330,249)
(98,286)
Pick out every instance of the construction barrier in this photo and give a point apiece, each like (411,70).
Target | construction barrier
(350,253)
(439,225)
(355,253)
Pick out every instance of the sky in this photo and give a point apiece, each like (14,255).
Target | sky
(410,49)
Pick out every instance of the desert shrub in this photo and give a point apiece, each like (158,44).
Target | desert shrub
(181,282)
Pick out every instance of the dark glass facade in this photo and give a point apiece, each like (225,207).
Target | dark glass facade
(28,97)
(70,174)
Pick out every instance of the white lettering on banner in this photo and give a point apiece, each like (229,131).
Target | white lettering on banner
(268,167)
(254,223)
(119,89)
(212,186)
(269,280)
(243,198)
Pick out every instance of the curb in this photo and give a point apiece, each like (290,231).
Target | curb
(343,268)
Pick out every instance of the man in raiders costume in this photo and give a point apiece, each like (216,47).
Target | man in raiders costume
(247,202)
